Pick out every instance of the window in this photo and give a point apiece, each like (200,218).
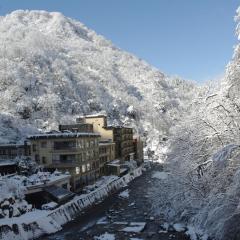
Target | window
(43,144)
(88,167)
(37,158)
(44,161)
(56,158)
(83,168)
(92,143)
(84,156)
(77,170)
(80,143)
(87,155)
(95,154)
(34,147)
(68,158)
(79,157)
(91,154)
(64,145)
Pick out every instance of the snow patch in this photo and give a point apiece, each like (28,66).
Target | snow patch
(124,194)
(105,236)
(192,233)
(179,227)
(160,175)
(102,221)
(135,227)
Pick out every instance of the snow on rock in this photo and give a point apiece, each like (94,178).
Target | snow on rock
(49,206)
(120,223)
(135,227)
(179,227)
(165,226)
(36,223)
(124,194)
(131,204)
(102,221)
(192,233)
(160,175)
(12,203)
(105,236)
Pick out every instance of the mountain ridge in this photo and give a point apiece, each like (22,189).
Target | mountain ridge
(54,68)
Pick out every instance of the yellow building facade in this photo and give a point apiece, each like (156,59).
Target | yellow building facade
(77,153)
(122,136)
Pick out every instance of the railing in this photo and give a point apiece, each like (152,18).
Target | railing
(65,162)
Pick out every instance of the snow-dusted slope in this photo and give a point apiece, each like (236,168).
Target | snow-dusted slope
(53,68)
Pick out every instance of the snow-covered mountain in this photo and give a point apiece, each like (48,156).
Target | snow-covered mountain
(53,69)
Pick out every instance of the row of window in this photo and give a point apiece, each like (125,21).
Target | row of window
(86,167)
(86,179)
(104,149)
(80,143)
(127,144)
(58,145)
(74,158)
(103,159)
(127,150)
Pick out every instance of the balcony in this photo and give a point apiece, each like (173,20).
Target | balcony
(64,163)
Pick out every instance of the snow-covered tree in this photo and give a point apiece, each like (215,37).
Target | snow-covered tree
(203,159)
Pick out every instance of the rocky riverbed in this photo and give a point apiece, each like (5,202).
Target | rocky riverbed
(124,216)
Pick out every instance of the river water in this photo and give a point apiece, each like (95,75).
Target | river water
(117,218)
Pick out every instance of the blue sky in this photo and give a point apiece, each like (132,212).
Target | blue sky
(190,38)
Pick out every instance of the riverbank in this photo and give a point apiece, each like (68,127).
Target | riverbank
(123,216)
(37,223)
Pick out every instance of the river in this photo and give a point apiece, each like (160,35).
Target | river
(117,217)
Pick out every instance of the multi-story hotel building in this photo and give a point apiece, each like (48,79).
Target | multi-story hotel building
(122,136)
(77,153)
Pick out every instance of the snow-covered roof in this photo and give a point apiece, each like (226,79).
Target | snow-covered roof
(49,206)
(114,163)
(7,163)
(11,145)
(38,181)
(106,143)
(93,116)
(63,135)
(58,192)
(116,127)
(122,170)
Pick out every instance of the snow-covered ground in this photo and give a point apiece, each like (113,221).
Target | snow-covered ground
(38,179)
(39,222)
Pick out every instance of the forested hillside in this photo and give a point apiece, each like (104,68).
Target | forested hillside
(203,157)
(53,69)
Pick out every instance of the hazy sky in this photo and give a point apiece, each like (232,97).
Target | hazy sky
(190,38)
